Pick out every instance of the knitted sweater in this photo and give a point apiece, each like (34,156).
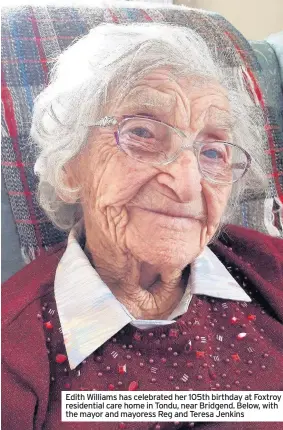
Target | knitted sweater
(216,345)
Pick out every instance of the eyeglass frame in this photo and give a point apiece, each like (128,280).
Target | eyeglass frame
(110,121)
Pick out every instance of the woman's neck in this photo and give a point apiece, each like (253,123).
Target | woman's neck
(147,291)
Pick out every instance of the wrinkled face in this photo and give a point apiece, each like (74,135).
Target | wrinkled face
(159,214)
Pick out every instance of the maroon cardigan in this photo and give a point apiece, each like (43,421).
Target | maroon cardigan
(35,368)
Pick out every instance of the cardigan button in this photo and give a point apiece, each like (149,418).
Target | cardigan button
(48,325)
(60,358)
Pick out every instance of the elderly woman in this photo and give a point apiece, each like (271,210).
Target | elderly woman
(145,146)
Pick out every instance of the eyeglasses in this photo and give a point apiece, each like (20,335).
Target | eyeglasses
(153,142)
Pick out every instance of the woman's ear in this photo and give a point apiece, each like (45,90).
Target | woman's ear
(70,181)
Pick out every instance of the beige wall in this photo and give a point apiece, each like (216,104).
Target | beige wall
(256,19)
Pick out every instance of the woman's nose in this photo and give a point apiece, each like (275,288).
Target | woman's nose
(183,176)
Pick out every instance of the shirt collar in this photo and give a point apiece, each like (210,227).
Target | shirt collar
(90,314)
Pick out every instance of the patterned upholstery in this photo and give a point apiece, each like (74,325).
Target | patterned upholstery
(32,38)
(261,214)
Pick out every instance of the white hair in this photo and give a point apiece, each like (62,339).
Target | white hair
(113,57)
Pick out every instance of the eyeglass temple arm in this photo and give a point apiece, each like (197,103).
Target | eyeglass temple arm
(238,165)
(105,122)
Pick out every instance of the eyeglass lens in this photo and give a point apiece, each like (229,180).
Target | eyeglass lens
(152,142)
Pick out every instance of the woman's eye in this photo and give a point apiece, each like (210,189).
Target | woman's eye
(141,132)
(212,153)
